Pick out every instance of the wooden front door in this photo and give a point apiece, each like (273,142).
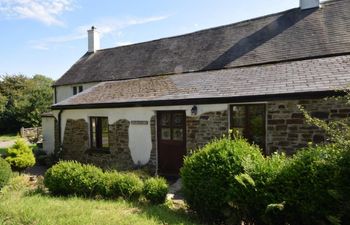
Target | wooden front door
(171,129)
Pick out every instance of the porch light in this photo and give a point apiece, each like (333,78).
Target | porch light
(194,110)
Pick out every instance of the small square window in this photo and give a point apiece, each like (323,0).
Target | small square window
(77,89)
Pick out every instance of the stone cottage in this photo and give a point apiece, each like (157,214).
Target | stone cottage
(148,104)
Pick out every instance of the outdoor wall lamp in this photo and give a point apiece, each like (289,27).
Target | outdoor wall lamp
(194,110)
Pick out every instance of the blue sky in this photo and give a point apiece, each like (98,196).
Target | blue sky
(48,36)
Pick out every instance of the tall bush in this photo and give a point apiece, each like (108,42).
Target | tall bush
(210,173)
(5,172)
(20,156)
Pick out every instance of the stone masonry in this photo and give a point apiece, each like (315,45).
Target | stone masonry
(204,128)
(76,145)
(287,129)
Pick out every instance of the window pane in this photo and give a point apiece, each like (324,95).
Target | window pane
(99,132)
(104,122)
(257,124)
(178,119)
(165,134)
(165,119)
(74,90)
(80,89)
(178,134)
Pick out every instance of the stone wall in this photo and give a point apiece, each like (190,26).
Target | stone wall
(76,145)
(204,128)
(287,129)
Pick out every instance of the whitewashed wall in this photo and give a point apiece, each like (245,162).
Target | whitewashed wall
(48,126)
(139,135)
(66,91)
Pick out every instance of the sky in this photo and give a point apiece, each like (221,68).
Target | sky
(48,36)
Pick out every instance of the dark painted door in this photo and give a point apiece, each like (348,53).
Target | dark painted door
(171,129)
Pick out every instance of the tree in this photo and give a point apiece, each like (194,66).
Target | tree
(23,100)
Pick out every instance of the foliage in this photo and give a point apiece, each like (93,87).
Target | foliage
(23,100)
(125,185)
(209,174)
(20,156)
(73,178)
(5,172)
(155,190)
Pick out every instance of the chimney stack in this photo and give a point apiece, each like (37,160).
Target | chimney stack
(309,4)
(93,40)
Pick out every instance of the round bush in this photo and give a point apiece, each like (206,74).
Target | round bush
(20,156)
(210,172)
(125,185)
(73,178)
(309,187)
(155,190)
(5,172)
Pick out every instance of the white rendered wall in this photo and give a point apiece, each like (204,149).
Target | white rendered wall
(48,126)
(140,143)
(66,91)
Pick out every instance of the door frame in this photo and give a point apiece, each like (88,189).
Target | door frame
(158,133)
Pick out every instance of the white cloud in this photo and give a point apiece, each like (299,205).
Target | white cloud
(104,27)
(45,11)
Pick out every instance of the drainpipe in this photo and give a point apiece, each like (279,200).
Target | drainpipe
(58,152)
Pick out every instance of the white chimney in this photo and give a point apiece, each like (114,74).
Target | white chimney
(309,4)
(93,40)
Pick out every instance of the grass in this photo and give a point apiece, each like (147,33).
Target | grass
(8,137)
(16,207)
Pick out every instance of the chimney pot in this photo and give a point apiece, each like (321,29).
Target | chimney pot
(309,4)
(93,40)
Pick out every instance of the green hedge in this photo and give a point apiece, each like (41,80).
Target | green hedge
(5,172)
(155,190)
(210,173)
(74,178)
(229,181)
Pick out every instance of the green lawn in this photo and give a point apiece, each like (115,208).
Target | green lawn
(16,207)
(8,137)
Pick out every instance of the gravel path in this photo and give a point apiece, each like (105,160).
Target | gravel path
(6,144)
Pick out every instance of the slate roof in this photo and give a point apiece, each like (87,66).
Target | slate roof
(303,77)
(290,35)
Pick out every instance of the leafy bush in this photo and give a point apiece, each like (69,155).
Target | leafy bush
(20,156)
(5,172)
(73,178)
(210,173)
(155,190)
(125,185)
(309,187)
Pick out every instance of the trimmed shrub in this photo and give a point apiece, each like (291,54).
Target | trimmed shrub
(74,178)
(210,173)
(20,156)
(5,172)
(309,187)
(155,190)
(125,185)
(251,194)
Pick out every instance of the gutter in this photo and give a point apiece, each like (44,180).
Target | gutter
(215,100)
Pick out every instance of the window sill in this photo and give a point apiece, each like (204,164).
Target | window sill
(98,151)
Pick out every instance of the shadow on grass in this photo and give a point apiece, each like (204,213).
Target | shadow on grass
(166,214)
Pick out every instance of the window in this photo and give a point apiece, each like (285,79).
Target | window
(77,89)
(99,132)
(250,121)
